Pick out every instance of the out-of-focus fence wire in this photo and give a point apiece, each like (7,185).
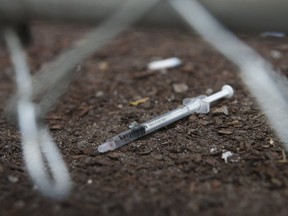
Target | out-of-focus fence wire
(52,79)
(49,84)
(268,87)
(39,150)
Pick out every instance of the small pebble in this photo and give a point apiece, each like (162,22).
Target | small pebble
(226,155)
(83,145)
(89,181)
(103,66)
(215,171)
(196,158)
(193,118)
(221,110)
(230,157)
(158,157)
(99,94)
(180,87)
(13,179)
(213,150)
(188,67)
(216,183)
(114,155)
(275,54)
(209,91)
(218,121)
(203,122)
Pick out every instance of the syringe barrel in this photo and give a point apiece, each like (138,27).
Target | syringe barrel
(128,136)
(151,125)
(169,117)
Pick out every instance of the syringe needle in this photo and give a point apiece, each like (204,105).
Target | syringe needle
(200,104)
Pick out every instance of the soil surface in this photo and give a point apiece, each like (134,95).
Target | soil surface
(178,170)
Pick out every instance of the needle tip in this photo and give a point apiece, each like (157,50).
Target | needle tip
(95,153)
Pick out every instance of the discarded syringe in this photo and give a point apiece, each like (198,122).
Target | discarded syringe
(199,104)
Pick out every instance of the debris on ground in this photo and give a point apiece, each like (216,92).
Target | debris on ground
(164,64)
(13,179)
(225,132)
(180,87)
(138,102)
(226,155)
(221,110)
(276,54)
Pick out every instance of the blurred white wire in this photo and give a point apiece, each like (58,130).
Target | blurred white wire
(39,150)
(268,87)
(53,78)
(50,82)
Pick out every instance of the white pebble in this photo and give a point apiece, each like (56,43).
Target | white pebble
(180,87)
(226,155)
(275,54)
(215,170)
(209,91)
(213,150)
(99,94)
(221,110)
(13,179)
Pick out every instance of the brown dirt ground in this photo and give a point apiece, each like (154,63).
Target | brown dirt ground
(169,172)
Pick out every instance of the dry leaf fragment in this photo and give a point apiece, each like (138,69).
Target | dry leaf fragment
(138,102)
